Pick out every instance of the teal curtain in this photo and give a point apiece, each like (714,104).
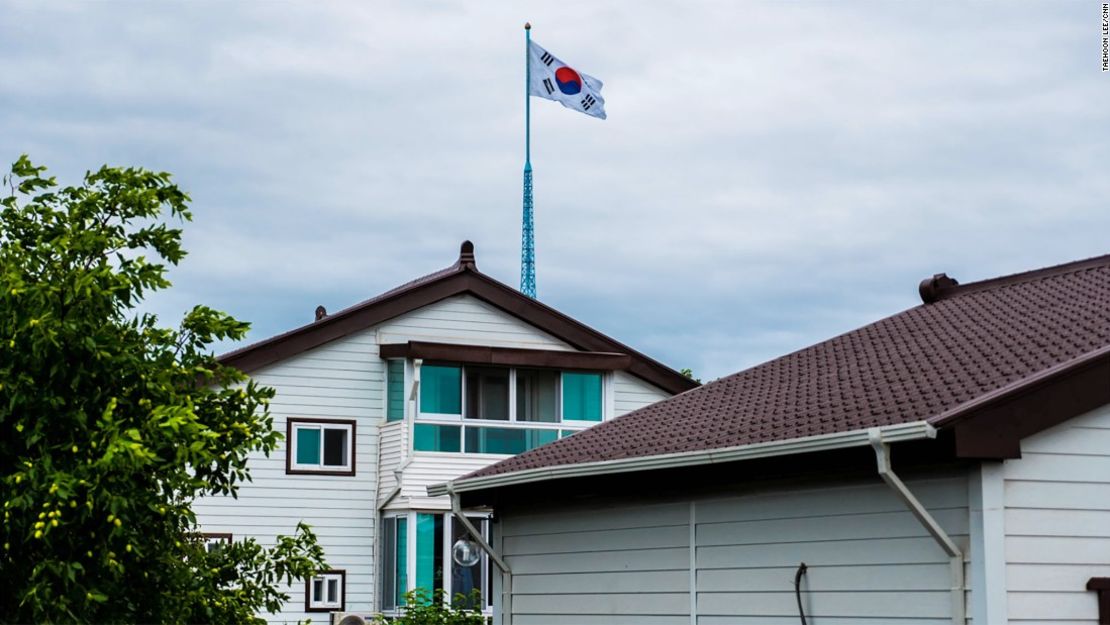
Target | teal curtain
(441,389)
(506,440)
(431,437)
(308,445)
(402,569)
(426,548)
(395,390)
(581,396)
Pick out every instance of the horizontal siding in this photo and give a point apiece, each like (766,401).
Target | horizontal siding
(867,556)
(631,393)
(391,454)
(1057,520)
(338,380)
(869,559)
(464,319)
(429,468)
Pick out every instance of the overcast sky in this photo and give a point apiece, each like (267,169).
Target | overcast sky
(770,174)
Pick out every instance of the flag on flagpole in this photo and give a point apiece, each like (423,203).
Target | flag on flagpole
(555,80)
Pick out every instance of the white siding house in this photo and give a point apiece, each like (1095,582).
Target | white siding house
(358,429)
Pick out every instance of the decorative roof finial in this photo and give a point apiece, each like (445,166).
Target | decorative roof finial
(466,255)
(933,289)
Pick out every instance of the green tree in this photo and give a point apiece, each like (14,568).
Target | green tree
(431,608)
(111,426)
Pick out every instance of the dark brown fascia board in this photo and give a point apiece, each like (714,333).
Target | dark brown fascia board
(992,426)
(465,280)
(507,356)
(344,323)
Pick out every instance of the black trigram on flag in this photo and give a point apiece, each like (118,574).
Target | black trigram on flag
(587,102)
(549,86)
(547,59)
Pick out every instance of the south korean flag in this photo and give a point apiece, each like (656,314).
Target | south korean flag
(552,79)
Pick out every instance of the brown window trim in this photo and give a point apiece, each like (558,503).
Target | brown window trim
(1101,585)
(342,591)
(290,422)
(224,536)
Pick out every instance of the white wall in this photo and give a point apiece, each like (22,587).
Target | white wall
(345,379)
(635,563)
(1057,521)
(467,320)
(341,380)
(631,393)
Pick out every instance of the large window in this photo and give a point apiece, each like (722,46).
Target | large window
(439,555)
(476,396)
(320,446)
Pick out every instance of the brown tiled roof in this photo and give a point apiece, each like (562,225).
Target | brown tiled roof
(923,364)
(461,277)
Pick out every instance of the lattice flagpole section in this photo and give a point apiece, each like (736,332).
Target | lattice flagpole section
(527,240)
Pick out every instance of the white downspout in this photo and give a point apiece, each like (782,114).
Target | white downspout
(506,573)
(955,555)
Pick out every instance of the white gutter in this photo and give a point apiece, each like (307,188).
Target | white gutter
(916,430)
(879,442)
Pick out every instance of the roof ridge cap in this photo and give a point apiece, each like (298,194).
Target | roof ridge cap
(956,289)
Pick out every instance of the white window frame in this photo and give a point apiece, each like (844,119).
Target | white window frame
(297,423)
(316,604)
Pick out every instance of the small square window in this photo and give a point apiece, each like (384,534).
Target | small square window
(319,446)
(215,541)
(325,592)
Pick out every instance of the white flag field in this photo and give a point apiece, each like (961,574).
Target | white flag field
(555,80)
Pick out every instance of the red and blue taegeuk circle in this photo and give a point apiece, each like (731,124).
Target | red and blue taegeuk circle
(568,80)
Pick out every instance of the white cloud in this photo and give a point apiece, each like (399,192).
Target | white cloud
(770,173)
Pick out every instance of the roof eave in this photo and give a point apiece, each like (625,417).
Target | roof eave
(916,430)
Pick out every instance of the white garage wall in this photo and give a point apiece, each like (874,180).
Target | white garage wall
(1057,520)
(636,563)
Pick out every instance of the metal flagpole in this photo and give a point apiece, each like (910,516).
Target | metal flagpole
(527,237)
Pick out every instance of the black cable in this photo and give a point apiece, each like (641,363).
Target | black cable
(798,590)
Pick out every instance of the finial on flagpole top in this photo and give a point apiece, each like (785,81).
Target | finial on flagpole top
(527,26)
